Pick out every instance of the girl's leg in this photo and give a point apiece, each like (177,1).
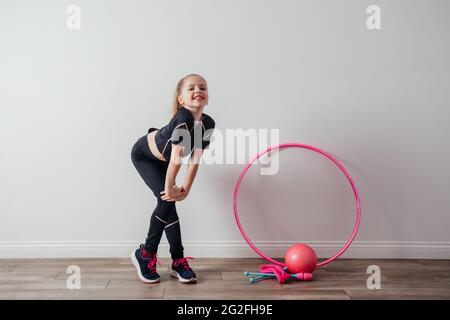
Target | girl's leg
(173,234)
(164,217)
(153,172)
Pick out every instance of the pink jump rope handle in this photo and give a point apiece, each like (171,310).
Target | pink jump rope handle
(303,276)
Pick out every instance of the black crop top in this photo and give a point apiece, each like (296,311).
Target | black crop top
(197,134)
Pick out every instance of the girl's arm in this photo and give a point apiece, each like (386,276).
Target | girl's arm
(172,170)
(193,163)
(174,193)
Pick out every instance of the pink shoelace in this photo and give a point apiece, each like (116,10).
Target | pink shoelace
(152,263)
(183,262)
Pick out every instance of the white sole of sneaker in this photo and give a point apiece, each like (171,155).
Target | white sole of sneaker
(175,274)
(138,268)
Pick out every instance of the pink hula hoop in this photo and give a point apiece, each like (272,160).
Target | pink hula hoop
(344,171)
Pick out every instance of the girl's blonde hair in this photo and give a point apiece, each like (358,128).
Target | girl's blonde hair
(176,105)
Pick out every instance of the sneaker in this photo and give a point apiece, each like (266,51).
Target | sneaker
(146,267)
(182,270)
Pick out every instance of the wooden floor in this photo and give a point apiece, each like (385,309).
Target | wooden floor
(222,279)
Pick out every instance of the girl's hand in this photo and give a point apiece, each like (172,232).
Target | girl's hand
(179,194)
(183,194)
(171,194)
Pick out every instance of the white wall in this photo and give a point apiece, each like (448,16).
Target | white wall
(74,102)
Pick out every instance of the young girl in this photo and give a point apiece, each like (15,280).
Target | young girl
(157,157)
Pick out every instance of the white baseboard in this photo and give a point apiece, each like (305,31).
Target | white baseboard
(223,249)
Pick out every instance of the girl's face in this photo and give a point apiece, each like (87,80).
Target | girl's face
(194,93)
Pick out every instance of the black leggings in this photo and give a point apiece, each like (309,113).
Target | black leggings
(164,218)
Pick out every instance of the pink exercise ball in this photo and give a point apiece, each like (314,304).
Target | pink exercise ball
(300,258)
